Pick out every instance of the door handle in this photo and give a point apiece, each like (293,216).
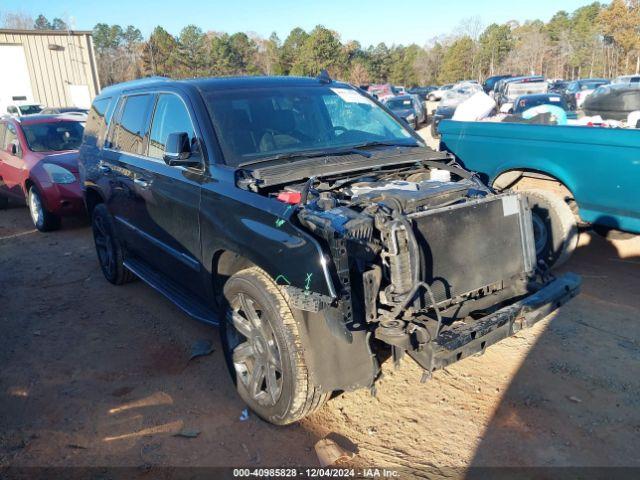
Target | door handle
(142,182)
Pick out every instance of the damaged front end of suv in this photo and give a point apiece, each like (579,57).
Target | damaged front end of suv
(425,259)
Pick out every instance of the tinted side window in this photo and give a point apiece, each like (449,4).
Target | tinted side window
(98,121)
(171,116)
(128,134)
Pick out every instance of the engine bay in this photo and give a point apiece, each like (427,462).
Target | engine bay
(402,244)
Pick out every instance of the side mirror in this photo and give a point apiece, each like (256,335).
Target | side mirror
(14,149)
(177,151)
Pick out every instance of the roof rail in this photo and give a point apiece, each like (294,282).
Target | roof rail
(135,83)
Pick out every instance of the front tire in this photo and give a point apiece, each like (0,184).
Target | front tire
(108,247)
(554,227)
(42,219)
(264,352)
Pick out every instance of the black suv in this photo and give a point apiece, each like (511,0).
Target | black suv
(312,226)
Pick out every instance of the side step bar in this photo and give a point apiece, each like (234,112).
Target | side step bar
(187,302)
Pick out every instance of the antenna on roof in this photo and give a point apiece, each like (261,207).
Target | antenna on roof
(324,76)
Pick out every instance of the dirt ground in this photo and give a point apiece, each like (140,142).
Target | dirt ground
(97,375)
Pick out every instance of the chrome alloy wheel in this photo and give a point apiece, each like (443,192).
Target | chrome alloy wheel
(256,356)
(35,208)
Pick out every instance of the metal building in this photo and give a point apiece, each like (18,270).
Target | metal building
(56,68)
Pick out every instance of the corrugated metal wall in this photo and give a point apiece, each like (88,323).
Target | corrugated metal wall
(55,60)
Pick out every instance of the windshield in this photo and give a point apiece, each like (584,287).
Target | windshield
(30,109)
(264,122)
(53,137)
(399,104)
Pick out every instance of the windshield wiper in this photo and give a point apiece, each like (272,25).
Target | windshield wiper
(348,150)
(312,154)
(388,143)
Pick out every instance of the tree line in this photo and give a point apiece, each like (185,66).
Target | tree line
(594,40)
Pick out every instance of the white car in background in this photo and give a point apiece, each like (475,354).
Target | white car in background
(20,109)
(439,93)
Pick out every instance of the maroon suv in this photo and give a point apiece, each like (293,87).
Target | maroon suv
(39,165)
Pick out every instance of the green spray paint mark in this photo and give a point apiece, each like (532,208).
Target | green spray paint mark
(307,282)
(280,221)
(283,278)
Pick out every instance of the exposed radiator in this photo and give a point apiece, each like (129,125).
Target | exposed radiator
(471,246)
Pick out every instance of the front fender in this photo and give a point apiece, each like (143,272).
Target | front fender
(260,230)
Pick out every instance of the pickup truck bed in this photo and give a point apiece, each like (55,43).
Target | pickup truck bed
(599,166)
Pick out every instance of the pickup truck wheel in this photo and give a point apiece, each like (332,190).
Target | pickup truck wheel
(263,350)
(434,130)
(43,220)
(108,248)
(554,227)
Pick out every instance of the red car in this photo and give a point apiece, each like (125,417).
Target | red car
(39,164)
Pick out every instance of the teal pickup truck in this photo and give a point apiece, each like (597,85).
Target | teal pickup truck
(595,171)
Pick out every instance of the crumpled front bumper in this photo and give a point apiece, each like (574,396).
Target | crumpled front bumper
(469,339)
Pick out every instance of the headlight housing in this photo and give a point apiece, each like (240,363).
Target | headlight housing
(58,174)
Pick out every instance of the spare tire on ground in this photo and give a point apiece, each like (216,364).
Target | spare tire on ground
(554,227)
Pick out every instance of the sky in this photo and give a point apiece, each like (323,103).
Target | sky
(367,21)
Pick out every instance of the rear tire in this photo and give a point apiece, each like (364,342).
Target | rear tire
(43,220)
(434,130)
(554,226)
(264,352)
(108,247)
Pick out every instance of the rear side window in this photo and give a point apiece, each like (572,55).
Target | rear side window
(171,116)
(98,121)
(129,131)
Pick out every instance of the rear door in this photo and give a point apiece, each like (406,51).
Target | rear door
(121,156)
